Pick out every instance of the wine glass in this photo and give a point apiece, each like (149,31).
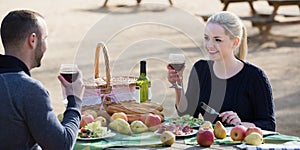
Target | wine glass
(176,62)
(69,72)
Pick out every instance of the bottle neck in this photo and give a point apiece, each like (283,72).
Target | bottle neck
(143,68)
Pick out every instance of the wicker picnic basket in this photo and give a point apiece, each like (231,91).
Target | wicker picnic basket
(108,88)
(105,88)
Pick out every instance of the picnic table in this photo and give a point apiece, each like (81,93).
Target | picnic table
(264,21)
(150,140)
(250,2)
(226,4)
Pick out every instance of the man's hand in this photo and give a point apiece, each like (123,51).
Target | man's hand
(75,88)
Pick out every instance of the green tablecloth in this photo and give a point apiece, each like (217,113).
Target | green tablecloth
(226,140)
(143,139)
(280,138)
(149,139)
(275,139)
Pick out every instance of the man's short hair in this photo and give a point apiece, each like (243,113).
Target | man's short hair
(17,25)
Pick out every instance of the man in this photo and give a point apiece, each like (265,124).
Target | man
(27,118)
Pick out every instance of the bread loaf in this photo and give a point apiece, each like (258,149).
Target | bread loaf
(134,110)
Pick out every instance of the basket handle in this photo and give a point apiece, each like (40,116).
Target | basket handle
(106,61)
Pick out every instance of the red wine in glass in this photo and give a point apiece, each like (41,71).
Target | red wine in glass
(177,62)
(69,72)
(70,76)
(176,67)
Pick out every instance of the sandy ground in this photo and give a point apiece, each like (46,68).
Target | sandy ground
(75,26)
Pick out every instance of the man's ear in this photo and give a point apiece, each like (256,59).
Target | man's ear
(32,40)
(236,42)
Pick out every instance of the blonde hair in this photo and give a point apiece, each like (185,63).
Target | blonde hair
(234,28)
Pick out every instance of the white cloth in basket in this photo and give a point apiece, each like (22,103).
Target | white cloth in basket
(119,93)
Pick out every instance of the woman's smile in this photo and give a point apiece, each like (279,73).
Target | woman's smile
(213,52)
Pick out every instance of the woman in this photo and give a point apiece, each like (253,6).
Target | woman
(237,89)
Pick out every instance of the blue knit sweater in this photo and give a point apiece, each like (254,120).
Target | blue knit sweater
(27,120)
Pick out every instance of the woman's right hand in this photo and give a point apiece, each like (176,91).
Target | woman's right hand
(75,88)
(175,76)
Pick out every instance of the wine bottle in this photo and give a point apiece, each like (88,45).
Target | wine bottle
(144,84)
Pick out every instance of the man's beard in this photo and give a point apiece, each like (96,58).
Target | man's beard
(38,54)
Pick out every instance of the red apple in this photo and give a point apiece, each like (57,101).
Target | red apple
(238,133)
(152,121)
(143,117)
(86,119)
(121,115)
(205,137)
(254,129)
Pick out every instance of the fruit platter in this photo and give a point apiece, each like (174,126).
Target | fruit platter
(186,120)
(93,131)
(109,135)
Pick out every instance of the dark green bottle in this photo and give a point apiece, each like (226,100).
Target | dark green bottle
(144,84)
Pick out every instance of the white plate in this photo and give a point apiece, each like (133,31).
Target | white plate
(111,134)
(184,135)
(196,126)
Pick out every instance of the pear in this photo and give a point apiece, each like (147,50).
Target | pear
(90,112)
(120,126)
(219,130)
(254,138)
(206,124)
(138,127)
(168,138)
(102,120)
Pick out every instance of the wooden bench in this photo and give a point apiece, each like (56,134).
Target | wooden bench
(265,21)
(138,2)
(226,4)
